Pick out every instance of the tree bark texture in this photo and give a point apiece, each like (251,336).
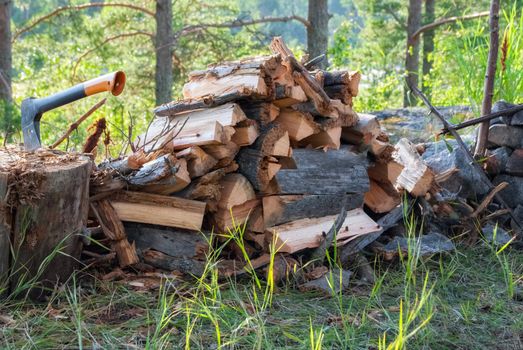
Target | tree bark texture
(318,30)
(5,50)
(428,44)
(43,214)
(164,67)
(412,52)
(490,75)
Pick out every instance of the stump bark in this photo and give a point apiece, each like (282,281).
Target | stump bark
(44,205)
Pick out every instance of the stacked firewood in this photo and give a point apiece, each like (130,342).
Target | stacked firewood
(265,142)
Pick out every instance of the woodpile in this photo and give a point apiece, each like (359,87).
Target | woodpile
(264,143)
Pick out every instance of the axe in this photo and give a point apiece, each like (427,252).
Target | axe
(33,108)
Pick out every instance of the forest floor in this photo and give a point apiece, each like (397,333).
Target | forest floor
(470,299)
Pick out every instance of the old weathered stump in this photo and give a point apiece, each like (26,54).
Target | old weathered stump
(44,204)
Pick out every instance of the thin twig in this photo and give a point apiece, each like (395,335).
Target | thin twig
(468,154)
(490,116)
(77,123)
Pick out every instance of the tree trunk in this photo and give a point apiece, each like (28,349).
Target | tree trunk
(164,36)
(412,52)
(5,51)
(490,75)
(318,30)
(428,44)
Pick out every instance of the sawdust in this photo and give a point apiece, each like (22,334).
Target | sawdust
(27,170)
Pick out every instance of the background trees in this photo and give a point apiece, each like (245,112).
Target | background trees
(84,41)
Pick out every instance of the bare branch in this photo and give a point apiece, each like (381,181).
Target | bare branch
(233,24)
(443,21)
(77,8)
(106,41)
(75,125)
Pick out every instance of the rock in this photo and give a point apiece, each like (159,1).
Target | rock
(331,283)
(497,160)
(429,244)
(504,135)
(514,164)
(518,213)
(513,194)
(495,234)
(514,119)
(444,155)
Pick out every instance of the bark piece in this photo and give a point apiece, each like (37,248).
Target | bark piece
(164,175)
(113,229)
(159,210)
(262,112)
(279,209)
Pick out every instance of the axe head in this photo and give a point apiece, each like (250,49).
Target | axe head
(31,116)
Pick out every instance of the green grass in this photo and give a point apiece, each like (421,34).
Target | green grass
(460,301)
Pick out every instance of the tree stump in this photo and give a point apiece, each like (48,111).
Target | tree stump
(44,201)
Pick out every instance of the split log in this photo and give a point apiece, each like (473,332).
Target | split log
(225,153)
(325,139)
(173,242)
(255,167)
(245,134)
(350,79)
(113,229)
(206,189)
(228,219)
(382,197)
(236,190)
(273,141)
(308,233)
(199,162)
(415,177)
(278,209)
(245,79)
(363,132)
(262,112)
(202,127)
(43,208)
(318,172)
(339,92)
(168,211)
(164,175)
(298,124)
(288,95)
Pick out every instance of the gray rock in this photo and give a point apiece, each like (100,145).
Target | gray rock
(429,244)
(504,135)
(331,283)
(518,213)
(513,194)
(465,183)
(514,119)
(498,159)
(495,234)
